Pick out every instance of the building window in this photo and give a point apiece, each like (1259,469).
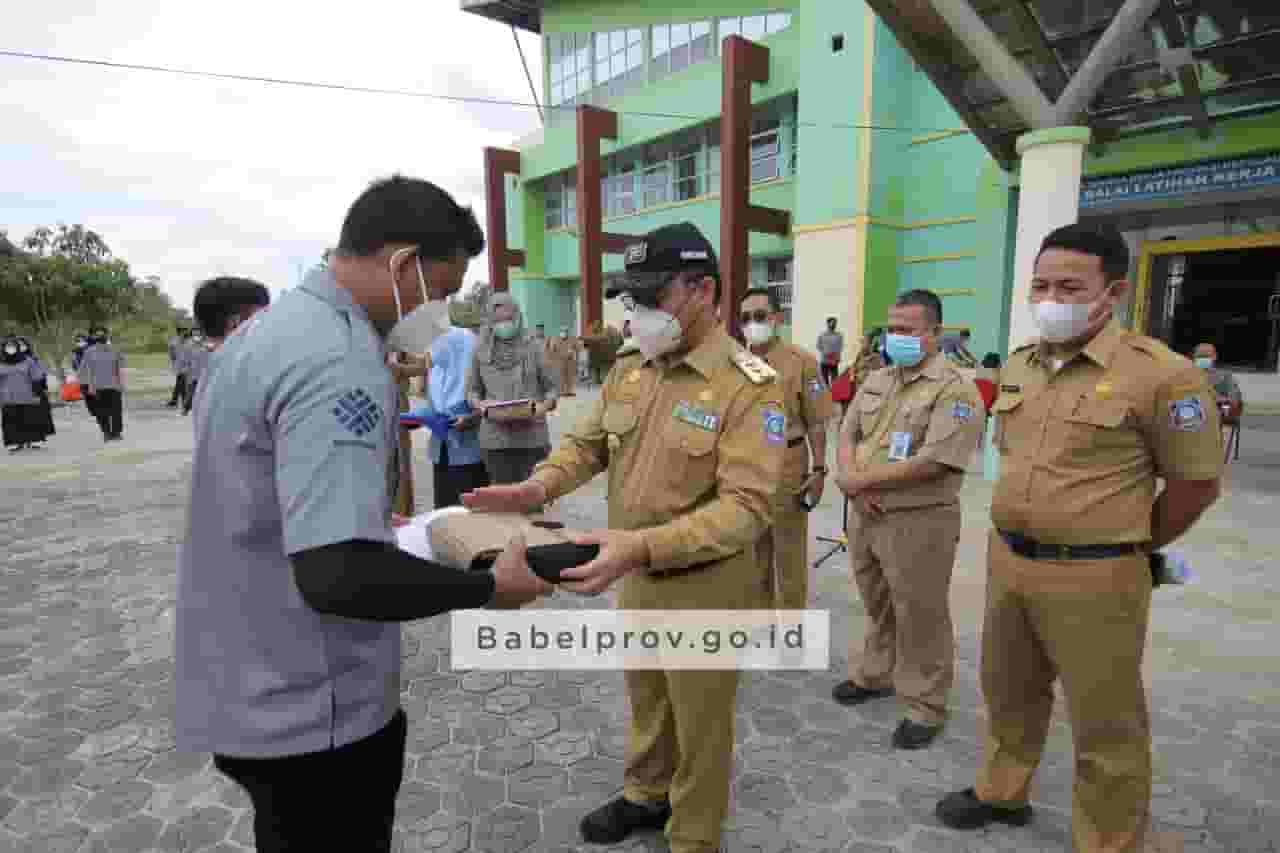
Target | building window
(754,27)
(778,280)
(685,156)
(677,46)
(619,62)
(554,202)
(766,148)
(569,61)
(656,177)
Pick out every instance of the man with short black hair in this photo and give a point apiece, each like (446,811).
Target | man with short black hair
(177,342)
(830,347)
(804,469)
(102,375)
(290,584)
(1089,419)
(905,444)
(222,304)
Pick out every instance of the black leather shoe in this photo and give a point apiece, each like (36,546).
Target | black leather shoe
(617,819)
(913,735)
(963,810)
(848,693)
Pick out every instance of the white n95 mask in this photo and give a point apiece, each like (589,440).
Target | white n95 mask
(758,334)
(416,332)
(655,332)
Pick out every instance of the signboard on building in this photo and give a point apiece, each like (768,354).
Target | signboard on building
(1245,173)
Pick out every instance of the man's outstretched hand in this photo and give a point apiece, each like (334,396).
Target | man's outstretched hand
(519,497)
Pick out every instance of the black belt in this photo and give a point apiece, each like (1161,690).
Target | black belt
(795,442)
(1032,550)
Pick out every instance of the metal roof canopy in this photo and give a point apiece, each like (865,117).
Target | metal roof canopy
(525,14)
(1117,67)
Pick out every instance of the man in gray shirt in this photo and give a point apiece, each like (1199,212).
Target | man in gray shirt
(102,374)
(830,346)
(290,586)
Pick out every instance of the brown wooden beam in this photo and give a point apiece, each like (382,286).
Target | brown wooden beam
(745,63)
(594,124)
(498,163)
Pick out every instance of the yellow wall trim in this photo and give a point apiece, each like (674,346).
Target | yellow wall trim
(934,137)
(862,220)
(950,256)
(933,223)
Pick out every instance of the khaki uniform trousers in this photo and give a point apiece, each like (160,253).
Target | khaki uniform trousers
(902,565)
(1084,622)
(788,539)
(681,737)
(568,372)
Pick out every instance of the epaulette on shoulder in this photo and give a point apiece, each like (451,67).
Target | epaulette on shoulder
(1155,348)
(1029,345)
(755,369)
(629,347)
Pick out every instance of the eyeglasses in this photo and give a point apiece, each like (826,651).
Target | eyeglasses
(649,289)
(754,317)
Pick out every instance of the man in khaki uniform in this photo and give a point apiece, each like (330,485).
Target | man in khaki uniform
(563,352)
(808,407)
(692,432)
(1088,418)
(910,433)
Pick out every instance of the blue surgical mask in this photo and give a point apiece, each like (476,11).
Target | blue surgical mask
(904,350)
(1205,363)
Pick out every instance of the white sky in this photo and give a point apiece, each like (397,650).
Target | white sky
(187,178)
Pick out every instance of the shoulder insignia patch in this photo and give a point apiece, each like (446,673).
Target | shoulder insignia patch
(961,411)
(755,369)
(357,413)
(1187,414)
(816,387)
(775,425)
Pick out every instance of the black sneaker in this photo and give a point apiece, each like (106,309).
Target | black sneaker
(913,735)
(848,693)
(617,819)
(963,810)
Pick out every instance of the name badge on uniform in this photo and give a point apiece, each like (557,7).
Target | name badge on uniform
(1010,389)
(1187,414)
(697,417)
(899,446)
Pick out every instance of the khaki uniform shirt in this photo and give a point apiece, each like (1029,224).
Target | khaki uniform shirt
(931,411)
(1080,449)
(805,398)
(693,448)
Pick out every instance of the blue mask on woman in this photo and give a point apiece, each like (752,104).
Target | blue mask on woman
(904,349)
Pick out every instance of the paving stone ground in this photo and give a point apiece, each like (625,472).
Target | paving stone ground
(510,761)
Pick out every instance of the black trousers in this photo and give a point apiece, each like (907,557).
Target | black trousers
(179,390)
(339,799)
(451,482)
(108,408)
(189,396)
(829,373)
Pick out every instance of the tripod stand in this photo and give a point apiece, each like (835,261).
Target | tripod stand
(839,543)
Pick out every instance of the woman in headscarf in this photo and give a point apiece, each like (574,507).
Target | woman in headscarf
(45,420)
(455,443)
(20,416)
(509,366)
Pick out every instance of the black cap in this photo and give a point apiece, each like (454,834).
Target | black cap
(661,253)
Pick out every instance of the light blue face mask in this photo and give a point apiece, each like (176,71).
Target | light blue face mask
(1205,363)
(904,350)
(505,329)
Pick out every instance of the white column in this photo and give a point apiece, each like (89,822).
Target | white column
(1048,198)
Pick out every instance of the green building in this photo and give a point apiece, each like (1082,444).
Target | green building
(901,166)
